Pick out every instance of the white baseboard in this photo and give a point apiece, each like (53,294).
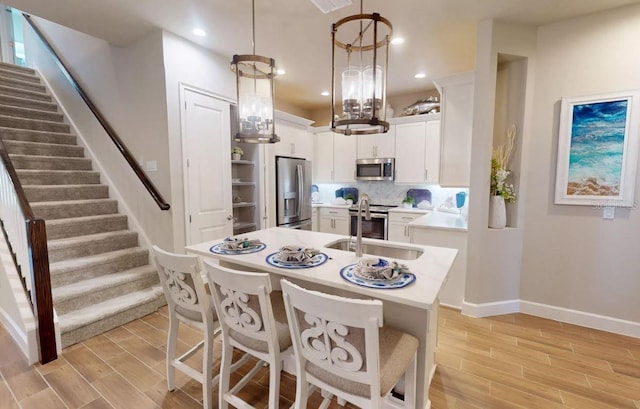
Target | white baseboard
(491,308)
(584,319)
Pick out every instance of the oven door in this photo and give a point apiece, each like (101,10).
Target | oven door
(376,228)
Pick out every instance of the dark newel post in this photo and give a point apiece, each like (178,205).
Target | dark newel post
(37,234)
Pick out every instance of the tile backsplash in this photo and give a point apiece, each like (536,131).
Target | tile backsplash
(388,193)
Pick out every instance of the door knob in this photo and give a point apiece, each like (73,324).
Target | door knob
(230,217)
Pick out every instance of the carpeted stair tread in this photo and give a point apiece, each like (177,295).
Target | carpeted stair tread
(85,288)
(101,277)
(81,226)
(31,113)
(56,193)
(81,246)
(21,84)
(21,161)
(58,177)
(29,135)
(23,76)
(17,68)
(44,149)
(74,208)
(33,124)
(82,268)
(95,312)
(7,100)
(14,92)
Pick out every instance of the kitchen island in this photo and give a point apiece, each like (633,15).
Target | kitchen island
(413,309)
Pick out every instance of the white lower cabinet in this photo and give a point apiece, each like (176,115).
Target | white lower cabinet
(399,225)
(315,221)
(335,220)
(452,293)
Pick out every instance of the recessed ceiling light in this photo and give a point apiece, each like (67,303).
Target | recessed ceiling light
(325,93)
(199,32)
(397,40)
(280,71)
(420,75)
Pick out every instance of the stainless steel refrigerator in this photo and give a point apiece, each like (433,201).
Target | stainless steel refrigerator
(293,193)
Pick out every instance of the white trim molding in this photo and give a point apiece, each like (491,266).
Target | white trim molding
(575,317)
(490,308)
(584,319)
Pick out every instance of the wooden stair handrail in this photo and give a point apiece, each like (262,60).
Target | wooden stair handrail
(42,302)
(153,191)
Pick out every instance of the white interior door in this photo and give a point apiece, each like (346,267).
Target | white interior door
(206,142)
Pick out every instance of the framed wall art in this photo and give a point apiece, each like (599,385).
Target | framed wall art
(598,150)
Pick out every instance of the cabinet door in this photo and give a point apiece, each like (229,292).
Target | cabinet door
(410,152)
(366,146)
(286,146)
(344,158)
(341,226)
(323,157)
(432,154)
(326,224)
(397,232)
(385,144)
(302,143)
(457,116)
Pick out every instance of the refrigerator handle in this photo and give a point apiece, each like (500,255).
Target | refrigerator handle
(300,173)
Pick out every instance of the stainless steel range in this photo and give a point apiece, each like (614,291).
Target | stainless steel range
(377,227)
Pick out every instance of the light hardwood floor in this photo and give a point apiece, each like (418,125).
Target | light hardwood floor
(510,361)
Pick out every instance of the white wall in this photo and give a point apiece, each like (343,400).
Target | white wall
(127,86)
(572,257)
(194,66)
(494,256)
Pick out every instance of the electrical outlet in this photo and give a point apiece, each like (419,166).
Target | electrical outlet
(609,212)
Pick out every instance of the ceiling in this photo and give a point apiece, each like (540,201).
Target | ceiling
(440,34)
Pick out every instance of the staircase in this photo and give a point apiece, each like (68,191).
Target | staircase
(100,277)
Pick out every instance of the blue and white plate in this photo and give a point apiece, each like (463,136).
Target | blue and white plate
(315,261)
(219,249)
(401,281)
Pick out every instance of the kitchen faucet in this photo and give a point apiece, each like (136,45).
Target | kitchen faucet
(364,200)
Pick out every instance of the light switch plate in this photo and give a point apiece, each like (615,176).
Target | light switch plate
(152,166)
(609,212)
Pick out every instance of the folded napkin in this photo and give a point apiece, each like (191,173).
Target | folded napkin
(373,268)
(239,244)
(295,254)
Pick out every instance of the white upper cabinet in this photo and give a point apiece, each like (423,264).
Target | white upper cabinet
(334,158)
(323,157)
(295,138)
(380,145)
(457,123)
(418,151)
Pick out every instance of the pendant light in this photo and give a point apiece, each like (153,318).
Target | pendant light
(360,65)
(256,94)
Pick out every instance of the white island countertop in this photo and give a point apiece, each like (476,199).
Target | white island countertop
(431,268)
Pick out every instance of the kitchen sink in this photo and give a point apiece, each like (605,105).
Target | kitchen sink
(381,250)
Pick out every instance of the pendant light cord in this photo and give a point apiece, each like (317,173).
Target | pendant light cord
(253,25)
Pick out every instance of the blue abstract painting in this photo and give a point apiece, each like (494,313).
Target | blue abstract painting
(597,148)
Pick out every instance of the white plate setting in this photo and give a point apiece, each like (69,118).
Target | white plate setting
(369,276)
(222,248)
(292,257)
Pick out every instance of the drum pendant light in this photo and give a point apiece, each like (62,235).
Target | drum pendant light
(256,94)
(360,67)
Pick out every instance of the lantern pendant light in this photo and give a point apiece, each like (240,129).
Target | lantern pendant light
(361,67)
(256,94)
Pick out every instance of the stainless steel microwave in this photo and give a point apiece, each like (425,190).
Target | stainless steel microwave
(375,169)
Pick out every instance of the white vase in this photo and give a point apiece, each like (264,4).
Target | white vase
(236,156)
(497,212)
